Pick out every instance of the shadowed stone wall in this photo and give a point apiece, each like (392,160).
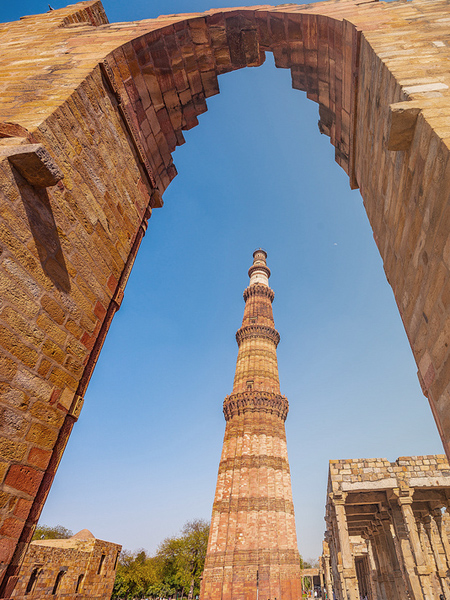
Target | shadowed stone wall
(87,127)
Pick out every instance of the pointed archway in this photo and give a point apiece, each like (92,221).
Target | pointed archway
(107,103)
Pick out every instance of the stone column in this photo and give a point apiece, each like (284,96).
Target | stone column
(439,558)
(321,576)
(416,568)
(348,563)
(336,561)
(327,570)
(374,585)
(385,578)
(398,579)
(398,553)
(439,519)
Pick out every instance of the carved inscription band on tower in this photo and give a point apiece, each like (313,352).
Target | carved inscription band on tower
(252,549)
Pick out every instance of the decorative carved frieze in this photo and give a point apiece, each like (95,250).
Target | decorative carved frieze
(257,401)
(258,289)
(274,429)
(252,557)
(257,331)
(262,503)
(254,462)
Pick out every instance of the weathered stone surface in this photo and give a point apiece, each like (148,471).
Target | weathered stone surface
(387,535)
(34,163)
(110,105)
(252,535)
(402,124)
(88,566)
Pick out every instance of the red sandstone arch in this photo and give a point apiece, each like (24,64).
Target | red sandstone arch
(87,129)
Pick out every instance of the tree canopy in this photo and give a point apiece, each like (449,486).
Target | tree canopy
(56,532)
(174,571)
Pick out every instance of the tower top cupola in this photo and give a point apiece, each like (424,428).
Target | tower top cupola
(259,272)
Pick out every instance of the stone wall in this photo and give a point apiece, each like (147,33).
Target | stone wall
(347,475)
(78,568)
(87,130)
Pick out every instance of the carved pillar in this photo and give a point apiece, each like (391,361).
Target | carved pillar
(425,539)
(397,577)
(321,578)
(373,578)
(336,561)
(398,553)
(432,532)
(348,563)
(385,578)
(439,519)
(327,570)
(416,568)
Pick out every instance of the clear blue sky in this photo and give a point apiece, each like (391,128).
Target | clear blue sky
(143,457)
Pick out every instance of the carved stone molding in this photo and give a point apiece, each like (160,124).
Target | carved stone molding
(274,429)
(258,289)
(259,504)
(254,462)
(257,401)
(257,331)
(268,556)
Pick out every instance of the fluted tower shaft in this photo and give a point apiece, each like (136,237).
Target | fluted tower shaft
(253,544)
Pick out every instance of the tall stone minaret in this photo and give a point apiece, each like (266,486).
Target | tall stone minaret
(252,549)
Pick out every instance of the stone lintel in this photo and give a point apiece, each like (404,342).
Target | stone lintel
(380,484)
(402,124)
(32,161)
(371,497)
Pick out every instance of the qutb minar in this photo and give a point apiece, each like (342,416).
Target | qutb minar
(252,550)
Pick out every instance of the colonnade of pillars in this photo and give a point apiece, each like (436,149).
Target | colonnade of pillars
(397,549)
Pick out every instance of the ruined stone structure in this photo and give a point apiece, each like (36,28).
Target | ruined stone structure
(252,543)
(387,534)
(79,568)
(87,127)
(310,579)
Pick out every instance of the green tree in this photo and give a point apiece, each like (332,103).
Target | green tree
(309,563)
(174,571)
(195,537)
(44,532)
(137,575)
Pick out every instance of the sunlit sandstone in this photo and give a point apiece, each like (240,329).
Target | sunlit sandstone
(90,114)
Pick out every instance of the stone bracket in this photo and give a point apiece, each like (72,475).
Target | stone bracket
(402,124)
(76,407)
(156,200)
(32,161)
(118,297)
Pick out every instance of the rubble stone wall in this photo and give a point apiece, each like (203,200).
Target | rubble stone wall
(86,575)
